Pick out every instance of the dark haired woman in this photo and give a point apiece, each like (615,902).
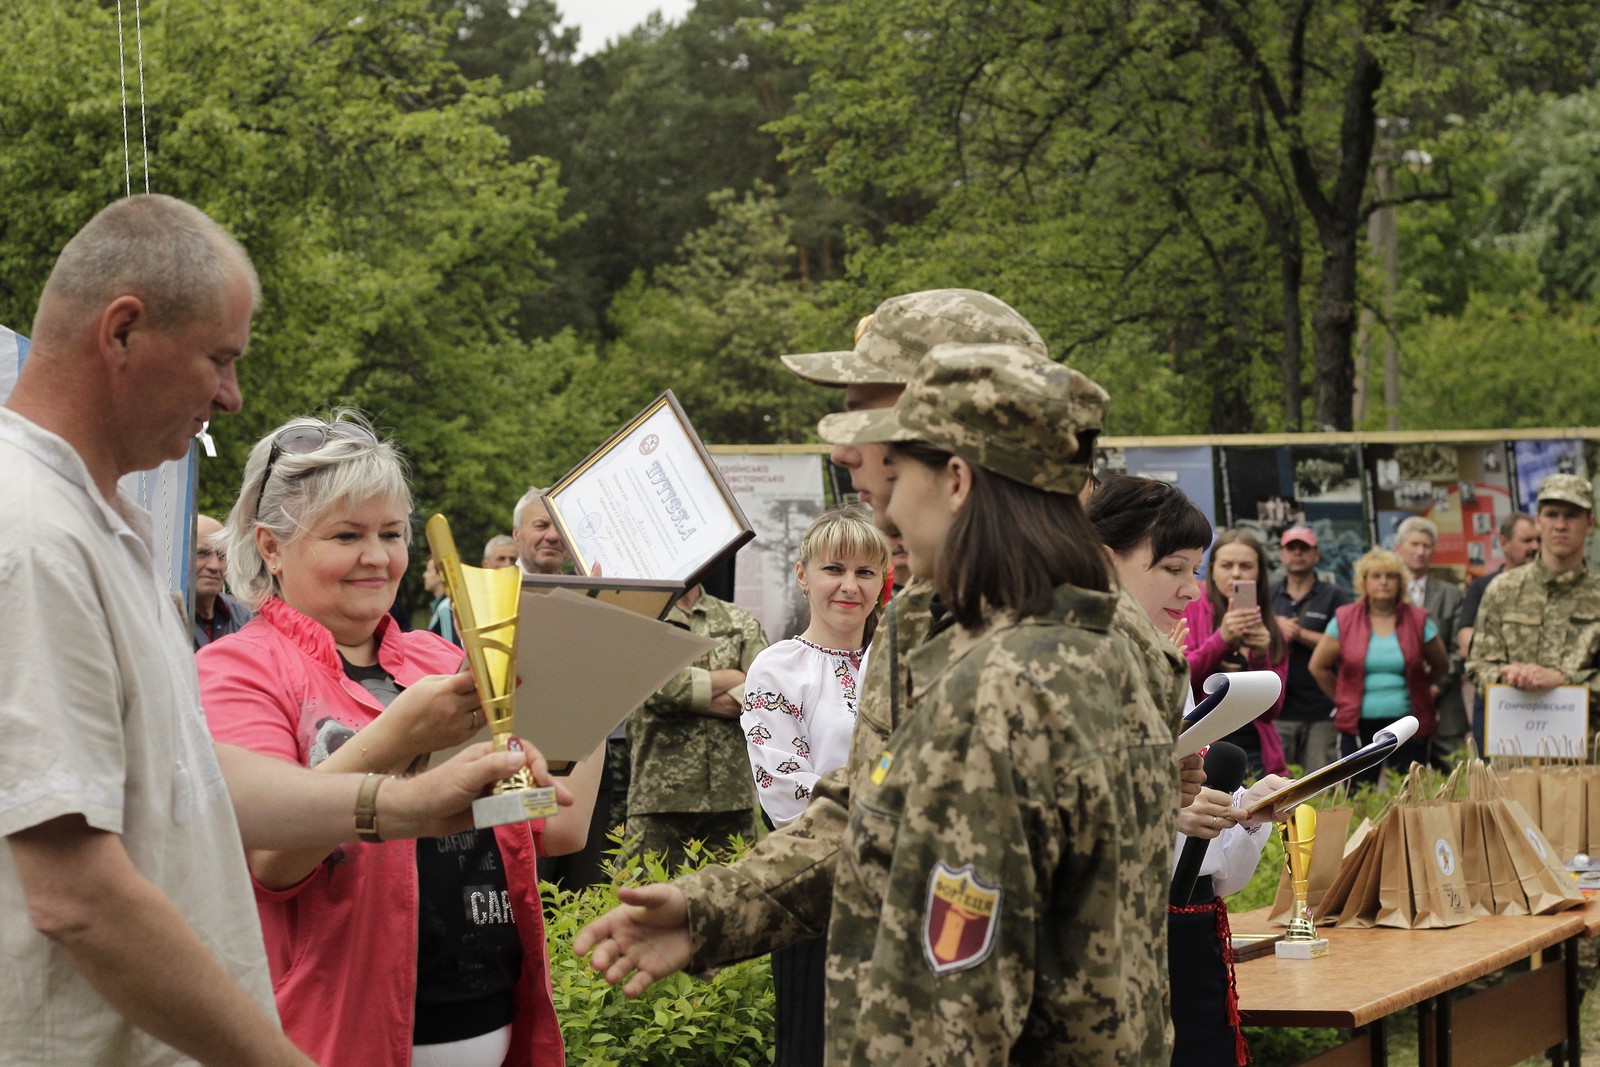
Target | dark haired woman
(1017,824)
(1156,538)
(1230,630)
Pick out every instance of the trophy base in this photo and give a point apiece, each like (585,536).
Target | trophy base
(513,806)
(1301,950)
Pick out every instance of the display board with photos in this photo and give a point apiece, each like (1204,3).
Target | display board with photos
(1353,489)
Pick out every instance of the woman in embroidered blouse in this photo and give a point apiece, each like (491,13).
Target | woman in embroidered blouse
(799,712)
(1156,537)
(1378,661)
(384,952)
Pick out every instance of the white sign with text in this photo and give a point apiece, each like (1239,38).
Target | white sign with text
(1544,722)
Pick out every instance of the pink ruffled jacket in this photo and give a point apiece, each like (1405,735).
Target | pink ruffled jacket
(342,943)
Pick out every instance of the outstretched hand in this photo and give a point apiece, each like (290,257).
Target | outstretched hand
(643,939)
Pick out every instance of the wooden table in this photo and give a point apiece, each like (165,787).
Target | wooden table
(1370,974)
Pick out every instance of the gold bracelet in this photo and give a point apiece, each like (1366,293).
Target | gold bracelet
(367,809)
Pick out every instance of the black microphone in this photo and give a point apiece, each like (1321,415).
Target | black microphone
(1225,768)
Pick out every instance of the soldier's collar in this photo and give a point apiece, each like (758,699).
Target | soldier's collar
(1565,580)
(942,619)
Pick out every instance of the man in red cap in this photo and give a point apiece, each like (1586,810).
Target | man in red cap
(1303,604)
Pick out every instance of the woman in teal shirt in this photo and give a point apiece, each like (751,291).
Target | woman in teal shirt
(1379,659)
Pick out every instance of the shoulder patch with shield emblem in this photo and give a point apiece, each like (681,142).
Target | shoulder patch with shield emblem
(962,916)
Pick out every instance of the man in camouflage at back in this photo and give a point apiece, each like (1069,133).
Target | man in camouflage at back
(690,779)
(1539,625)
(1000,894)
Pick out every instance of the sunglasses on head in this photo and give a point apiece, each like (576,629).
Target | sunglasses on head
(303,440)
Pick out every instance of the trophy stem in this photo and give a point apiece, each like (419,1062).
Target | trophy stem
(1300,941)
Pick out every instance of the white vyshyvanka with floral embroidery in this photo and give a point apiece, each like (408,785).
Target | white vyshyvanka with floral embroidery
(799,711)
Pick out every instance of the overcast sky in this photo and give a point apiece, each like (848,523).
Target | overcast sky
(605,20)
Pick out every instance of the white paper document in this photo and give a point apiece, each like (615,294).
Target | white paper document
(1246,695)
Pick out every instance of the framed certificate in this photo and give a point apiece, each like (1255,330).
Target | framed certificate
(649,503)
(1553,723)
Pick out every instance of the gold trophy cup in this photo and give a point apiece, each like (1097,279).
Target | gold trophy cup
(485,603)
(1299,834)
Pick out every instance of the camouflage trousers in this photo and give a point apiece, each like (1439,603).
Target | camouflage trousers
(669,833)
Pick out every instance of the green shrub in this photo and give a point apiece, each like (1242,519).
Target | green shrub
(726,1019)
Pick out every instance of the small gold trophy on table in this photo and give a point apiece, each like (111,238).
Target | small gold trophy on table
(485,603)
(1299,834)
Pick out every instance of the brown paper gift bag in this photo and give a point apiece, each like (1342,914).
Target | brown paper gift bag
(1339,892)
(1519,783)
(1396,905)
(1504,880)
(1433,854)
(1563,807)
(1591,796)
(1474,855)
(1360,908)
(1327,856)
(1546,883)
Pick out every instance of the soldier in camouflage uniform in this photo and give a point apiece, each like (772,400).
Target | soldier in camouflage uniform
(690,776)
(1000,893)
(1539,625)
(782,891)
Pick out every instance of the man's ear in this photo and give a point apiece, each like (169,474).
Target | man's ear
(116,328)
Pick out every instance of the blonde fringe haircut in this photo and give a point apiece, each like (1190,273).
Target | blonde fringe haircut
(302,489)
(1382,561)
(848,533)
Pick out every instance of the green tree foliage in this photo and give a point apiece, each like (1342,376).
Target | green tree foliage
(712,325)
(1199,171)
(645,130)
(1548,193)
(1495,318)
(393,236)
(1507,360)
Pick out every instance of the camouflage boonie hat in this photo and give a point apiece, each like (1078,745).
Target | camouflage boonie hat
(1568,488)
(1002,407)
(892,340)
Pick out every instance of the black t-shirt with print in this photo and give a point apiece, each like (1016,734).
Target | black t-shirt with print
(468,955)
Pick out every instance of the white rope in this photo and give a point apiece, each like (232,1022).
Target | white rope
(122,75)
(144,137)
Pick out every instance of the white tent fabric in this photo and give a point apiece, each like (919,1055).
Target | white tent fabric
(166,492)
(13,348)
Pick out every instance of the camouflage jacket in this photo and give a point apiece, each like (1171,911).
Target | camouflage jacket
(684,761)
(1529,615)
(782,890)
(1000,896)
